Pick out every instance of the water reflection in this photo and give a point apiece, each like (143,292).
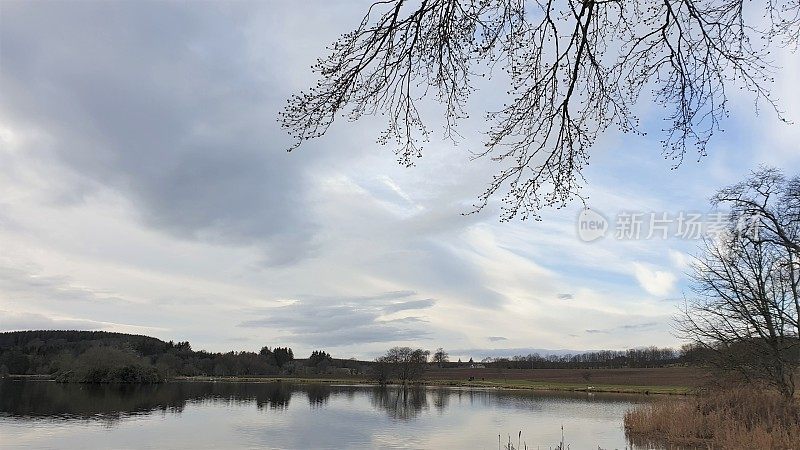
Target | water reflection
(38,414)
(87,401)
(400,403)
(318,395)
(34,399)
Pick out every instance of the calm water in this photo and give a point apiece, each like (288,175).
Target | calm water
(39,414)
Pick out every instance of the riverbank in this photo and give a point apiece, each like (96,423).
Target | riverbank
(486,384)
(679,380)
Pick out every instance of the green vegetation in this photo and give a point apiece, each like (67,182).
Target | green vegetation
(107,365)
(103,357)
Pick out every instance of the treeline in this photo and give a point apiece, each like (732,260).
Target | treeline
(603,359)
(99,356)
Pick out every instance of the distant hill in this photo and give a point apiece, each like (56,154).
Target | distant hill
(52,340)
(100,356)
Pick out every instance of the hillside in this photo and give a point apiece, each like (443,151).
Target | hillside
(99,356)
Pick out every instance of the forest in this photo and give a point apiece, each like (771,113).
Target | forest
(99,356)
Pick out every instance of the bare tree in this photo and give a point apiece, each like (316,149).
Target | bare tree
(440,357)
(404,363)
(381,370)
(576,68)
(747,308)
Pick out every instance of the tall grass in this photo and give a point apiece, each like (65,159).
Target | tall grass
(730,419)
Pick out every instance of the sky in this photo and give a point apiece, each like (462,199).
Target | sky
(145,188)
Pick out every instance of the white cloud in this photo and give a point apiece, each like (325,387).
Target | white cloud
(680,260)
(654,281)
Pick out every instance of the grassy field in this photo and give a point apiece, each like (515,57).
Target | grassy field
(663,376)
(669,380)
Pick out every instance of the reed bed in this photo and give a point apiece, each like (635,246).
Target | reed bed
(725,419)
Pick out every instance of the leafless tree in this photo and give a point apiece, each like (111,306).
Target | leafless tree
(575,67)
(404,363)
(747,308)
(440,357)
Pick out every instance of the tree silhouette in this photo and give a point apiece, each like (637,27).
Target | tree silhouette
(440,357)
(576,68)
(747,307)
(282,355)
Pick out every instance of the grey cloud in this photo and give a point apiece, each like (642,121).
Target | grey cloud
(480,353)
(13,321)
(409,305)
(565,296)
(626,327)
(335,321)
(638,326)
(435,266)
(24,283)
(497,338)
(173,116)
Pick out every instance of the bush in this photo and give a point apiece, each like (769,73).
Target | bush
(109,365)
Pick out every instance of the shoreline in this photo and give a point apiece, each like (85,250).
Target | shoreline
(503,385)
(509,385)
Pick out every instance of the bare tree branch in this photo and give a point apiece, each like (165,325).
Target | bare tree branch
(747,307)
(576,68)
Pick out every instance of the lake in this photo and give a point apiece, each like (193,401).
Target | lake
(194,415)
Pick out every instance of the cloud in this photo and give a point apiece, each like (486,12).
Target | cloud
(680,260)
(336,321)
(168,116)
(565,296)
(497,338)
(655,282)
(624,327)
(25,283)
(409,305)
(20,320)
(16,320)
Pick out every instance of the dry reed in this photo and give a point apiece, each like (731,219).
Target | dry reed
(730,419)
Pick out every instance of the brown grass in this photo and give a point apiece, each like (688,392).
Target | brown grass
(728,419)
(662,376)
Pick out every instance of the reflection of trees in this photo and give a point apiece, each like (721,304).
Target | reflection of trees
(273,395)
(441,398)
(318,395)
(87,401)
(401,403)
(112,402)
